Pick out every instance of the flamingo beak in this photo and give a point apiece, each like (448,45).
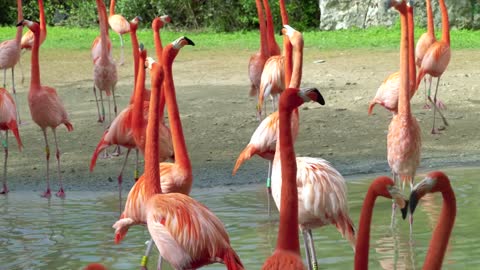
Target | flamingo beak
(419,190)
(399,199)
(20,23)
(311,94)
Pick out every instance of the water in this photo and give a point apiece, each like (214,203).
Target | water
(36,233)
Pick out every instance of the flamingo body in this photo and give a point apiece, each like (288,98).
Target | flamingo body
(8,116)
(272,82)
(118,24)
(435,61)
(96,49)
(46,108)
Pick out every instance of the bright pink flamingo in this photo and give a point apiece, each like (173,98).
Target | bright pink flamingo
(105,70)
(10,52)
(119,25)
(322,198)
(46,108)
(387,93)
(437,182)
(8,121)
(287,251)
(168,215)
(385,187)
(435,62)
(424,42)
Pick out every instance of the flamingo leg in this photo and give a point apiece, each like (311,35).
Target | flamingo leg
(307,250)
(61,192)
(136,173)
(47,193)
(117,151)
(5,78)
(5,148)
(121,50)
(103,106)
(396,180)
(109,111)
(269,188)
(311,247)
(159,262)
(15,96)
(120,178)
(21,68)
(100,120)
(143,263)
(435,109)
(427,92)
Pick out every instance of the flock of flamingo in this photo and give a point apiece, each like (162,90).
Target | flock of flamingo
(309,192)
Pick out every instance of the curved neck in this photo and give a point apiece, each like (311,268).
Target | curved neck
(35,72)
(137,111)
(261,24)
(112,7)
(152,170)
(412,69)
(445,23)
(403,96)
(283,12)
(178,140)
(287,48)
(297,66)
(363,234)
(272,44)
(441,235)
(18,36)
(430,27)
(288,227)
(133,37)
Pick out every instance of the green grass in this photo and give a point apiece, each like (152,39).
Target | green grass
(371,38)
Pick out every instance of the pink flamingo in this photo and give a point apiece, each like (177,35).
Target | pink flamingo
(435,62)
(273,48)
(437,182)
(385,187)
(10,52)
(119,25)
(46,108)
(8,121)
(167,215)
(105,70)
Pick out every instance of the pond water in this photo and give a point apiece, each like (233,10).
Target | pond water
(36,233)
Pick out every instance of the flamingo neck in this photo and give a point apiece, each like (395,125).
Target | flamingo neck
(178,140)
(261,23)
(112,7)
(288,227)
(363,234)
(297,66)
(137,111)
(283,12)
(43,23)
(18,36)
(430,26)
(287,48)
(272,44)
(152,170)
(159,51)
(445,22)
(133,37)
(412,69)
(441,235)
(102,14)
(403,97)
(35,68)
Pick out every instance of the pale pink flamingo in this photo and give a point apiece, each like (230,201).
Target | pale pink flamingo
(105,70)
(424,42)
(322,190)
(119,25)
(404,136)
(8,121)
(435,62)
(437,182)
(10,52)
(46,108)
(384,187)
(387,93)
(167,215)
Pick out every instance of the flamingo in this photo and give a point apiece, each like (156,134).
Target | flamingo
(435,62)
(10,55)
(387,93)
(95,266)
(167,215)
(385,187)
(119,25)
(8,121)
(322,192)
(273,48)
(424,42)
(46,108)
(287,251)
(437,182)
(105,70)
(257,61)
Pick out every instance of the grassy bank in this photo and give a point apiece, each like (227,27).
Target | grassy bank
(371,38)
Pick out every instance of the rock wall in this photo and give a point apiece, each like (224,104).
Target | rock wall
(343,14)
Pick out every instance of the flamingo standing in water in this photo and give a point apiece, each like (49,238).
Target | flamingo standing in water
(46,108)
(8,121)
(169,215)
(385,187)
(105,70)
(437,182)
(10,52)
(287,251)
(119,25)
(435,62)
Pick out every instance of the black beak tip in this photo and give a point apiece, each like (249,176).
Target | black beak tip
(141,46)
(405,210)
(413,201)
(20,23)
(189,41)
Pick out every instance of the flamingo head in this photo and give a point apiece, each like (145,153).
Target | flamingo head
(292,98)
(159,22)
(385,187)
(34,26)
(435,181)
(182,41)
(134,23)
(296,38)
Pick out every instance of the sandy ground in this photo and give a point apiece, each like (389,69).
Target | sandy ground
(218,116)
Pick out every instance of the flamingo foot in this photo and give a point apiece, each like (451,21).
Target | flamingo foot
(436,131)
(100,120)
(117,151)
(427,106)
(105,155)
(61,193)
(46,194)
(440,105)
(5,189)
